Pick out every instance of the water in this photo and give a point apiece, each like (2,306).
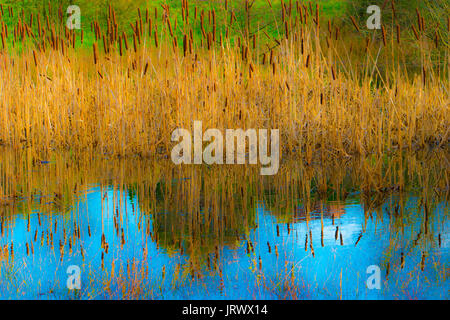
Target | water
(149,230)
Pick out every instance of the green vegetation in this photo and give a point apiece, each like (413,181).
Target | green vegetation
(264,14)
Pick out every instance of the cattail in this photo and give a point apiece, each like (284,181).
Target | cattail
(317,15)
(354,23)
(3,40)
(185,45)
(415,32)
(286,27)
(419,20)
(120,45)
(145,68)
(134,42)
(393,9)
(436,39)
(35,59)
(95,53)
(105,46)
(398,34)
(383,30)
(424,75)
(170,27)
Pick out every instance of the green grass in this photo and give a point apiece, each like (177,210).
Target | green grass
(262,15)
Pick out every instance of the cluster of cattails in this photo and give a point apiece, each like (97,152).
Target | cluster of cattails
(311,243)
(104,244)
(60,38)
(249,248)
(43,33)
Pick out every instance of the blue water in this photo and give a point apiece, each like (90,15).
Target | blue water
(241,266)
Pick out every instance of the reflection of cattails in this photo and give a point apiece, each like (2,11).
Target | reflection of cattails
(402,261)
(260,264)
(102,240)
(422,261)
(388,266)
(439,240)
(342,240)
(336,233)
(321,238)
(28,249)
(268,247)
(359,238)
(306,242)
(278,231)
(311,243)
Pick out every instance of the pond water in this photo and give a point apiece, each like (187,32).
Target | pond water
(142,229)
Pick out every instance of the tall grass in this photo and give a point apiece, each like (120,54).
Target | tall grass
(329,95)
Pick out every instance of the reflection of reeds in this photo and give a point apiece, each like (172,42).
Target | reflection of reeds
(195,211)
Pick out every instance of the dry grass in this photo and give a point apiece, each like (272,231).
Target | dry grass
(130,97)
